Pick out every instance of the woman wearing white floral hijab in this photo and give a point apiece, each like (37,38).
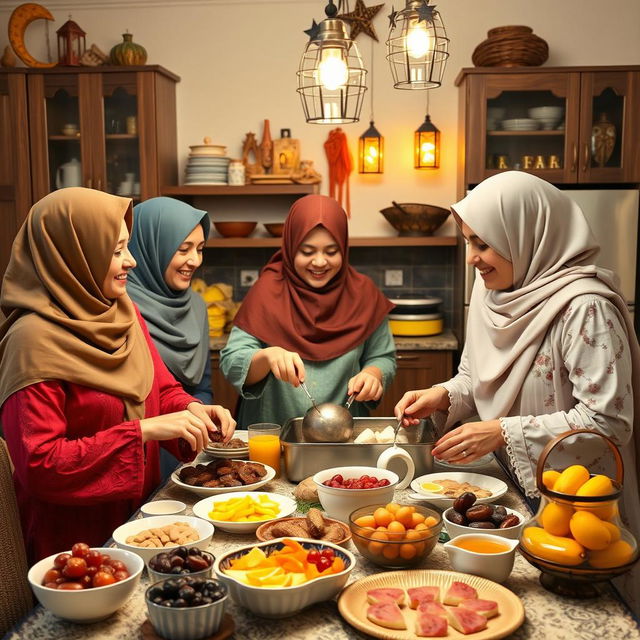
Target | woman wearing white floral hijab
(550,344)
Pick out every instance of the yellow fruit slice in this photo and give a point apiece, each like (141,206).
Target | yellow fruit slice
(431,487)
(255,557)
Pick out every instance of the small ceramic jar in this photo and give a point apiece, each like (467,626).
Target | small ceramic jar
(236,174)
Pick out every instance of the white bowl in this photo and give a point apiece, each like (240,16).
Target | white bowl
(87,605)
(340,503)
(546,112)
(120,535)
(497,487)
(163,508)
(520,124)
(214,491)
(284,601)
(455,530)
(548,124)
(202,509)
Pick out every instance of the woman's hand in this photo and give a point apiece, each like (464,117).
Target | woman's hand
(181,424)
(285,365)
(421,403)
(367,385)
(469,442)
(215,417)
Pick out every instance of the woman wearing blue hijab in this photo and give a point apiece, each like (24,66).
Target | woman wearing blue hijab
(167,240)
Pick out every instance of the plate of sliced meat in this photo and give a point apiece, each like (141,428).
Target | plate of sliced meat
(223,476)
(398,605)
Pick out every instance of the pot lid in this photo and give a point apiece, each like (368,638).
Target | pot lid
(415,302)
(422,316)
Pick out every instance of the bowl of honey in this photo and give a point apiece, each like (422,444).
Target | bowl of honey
(483,555)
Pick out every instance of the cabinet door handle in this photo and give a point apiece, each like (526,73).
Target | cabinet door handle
(400,356)
(99,184)
(586,156)
(575,157)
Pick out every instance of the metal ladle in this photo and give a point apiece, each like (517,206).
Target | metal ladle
(329,422)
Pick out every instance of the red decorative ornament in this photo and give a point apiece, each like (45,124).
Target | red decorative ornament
(71,44)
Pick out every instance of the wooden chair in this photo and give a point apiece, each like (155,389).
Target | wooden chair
(15,594)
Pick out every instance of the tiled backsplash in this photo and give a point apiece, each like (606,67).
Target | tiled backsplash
(425,270)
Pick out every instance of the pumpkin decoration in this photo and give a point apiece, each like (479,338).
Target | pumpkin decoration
(128,53)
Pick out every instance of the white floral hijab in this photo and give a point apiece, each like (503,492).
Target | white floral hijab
(545,235)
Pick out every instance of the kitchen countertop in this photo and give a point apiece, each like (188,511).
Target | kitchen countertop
(547,615)
(444,341)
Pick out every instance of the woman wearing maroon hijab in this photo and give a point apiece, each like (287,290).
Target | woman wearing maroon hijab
(311,318)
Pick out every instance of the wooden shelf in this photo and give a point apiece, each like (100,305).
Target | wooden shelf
(121,136)
(383,241)
(535,132)
(245,190)
(74,138)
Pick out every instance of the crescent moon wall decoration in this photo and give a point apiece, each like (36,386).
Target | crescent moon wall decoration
(20,19)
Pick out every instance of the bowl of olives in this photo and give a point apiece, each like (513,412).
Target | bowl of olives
(180,561)
(186,607)
(466,516)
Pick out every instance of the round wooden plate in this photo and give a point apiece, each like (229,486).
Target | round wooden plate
(352,603)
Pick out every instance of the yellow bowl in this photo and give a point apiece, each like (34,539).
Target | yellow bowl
(416,325)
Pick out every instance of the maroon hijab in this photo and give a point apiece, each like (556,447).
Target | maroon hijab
(282,310)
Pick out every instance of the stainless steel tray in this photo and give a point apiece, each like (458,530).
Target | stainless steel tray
(303,459)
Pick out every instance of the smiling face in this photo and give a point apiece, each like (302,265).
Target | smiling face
(185,261)
(318,258)
(496,271)
(115,282)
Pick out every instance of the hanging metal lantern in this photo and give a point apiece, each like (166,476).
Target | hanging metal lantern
(418,47)
(71,43)
(331,76)
(371,151)
(426,145)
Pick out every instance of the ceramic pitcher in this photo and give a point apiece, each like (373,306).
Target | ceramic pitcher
(69,174)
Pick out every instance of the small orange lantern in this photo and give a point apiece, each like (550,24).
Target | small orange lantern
(371,151)
(71,44)
(426,145)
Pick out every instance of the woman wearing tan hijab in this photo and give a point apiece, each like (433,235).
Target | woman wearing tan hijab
(84,396)
(550,344)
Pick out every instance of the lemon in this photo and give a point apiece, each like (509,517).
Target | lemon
(213,294)
(432,487)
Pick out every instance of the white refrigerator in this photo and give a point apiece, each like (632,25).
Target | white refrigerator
(613,217)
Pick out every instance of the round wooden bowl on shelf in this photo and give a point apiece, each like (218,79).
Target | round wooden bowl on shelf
(274,228)
(511,46)
(235,229)
(414,219)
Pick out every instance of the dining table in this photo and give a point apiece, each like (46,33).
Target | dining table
(547,615)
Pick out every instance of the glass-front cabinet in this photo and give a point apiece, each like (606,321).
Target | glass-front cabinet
(568,125)
(106,128)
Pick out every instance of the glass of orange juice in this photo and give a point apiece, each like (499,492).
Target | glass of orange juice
(264,444)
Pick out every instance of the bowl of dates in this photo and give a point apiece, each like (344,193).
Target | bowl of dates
(186,607)
(467,516)
(180,561)
(86,584)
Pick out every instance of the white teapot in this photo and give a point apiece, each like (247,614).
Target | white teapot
(69,174)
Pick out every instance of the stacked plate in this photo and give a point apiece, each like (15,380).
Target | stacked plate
(520,124)
(214,448)
(207,164)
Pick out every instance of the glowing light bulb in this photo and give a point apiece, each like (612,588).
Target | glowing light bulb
(418,40)
(427,153)
(333,69)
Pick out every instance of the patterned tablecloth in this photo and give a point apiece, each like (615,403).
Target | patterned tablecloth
(547,616)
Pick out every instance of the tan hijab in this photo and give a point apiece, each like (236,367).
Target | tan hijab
(59,325)
(545,235)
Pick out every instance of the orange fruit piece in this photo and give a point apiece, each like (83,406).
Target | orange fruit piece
(416,519)
(382,517)
(404,515)
(337,565)
(396,530)
(366,521)
(408,551)
(391,551)
(392,507)
(378,538)
(430,521)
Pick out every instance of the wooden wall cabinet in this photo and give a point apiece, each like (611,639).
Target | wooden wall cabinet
(498,131)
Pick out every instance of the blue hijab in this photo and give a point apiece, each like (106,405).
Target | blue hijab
(177,320)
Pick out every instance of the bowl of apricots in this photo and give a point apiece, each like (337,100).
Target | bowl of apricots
(394,535)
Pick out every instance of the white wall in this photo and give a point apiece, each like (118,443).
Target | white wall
(238,61)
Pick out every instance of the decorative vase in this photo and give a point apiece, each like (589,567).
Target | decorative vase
(511,46)
(8,57)
(603,140)
(128,53)
(266,148)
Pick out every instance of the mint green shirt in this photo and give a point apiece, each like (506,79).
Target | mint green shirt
(271,400)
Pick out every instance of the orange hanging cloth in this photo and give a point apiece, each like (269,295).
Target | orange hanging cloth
(340,166)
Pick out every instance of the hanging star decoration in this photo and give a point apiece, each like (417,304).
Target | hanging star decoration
(361,19)
(425,12)
(313,30)
(393,16)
